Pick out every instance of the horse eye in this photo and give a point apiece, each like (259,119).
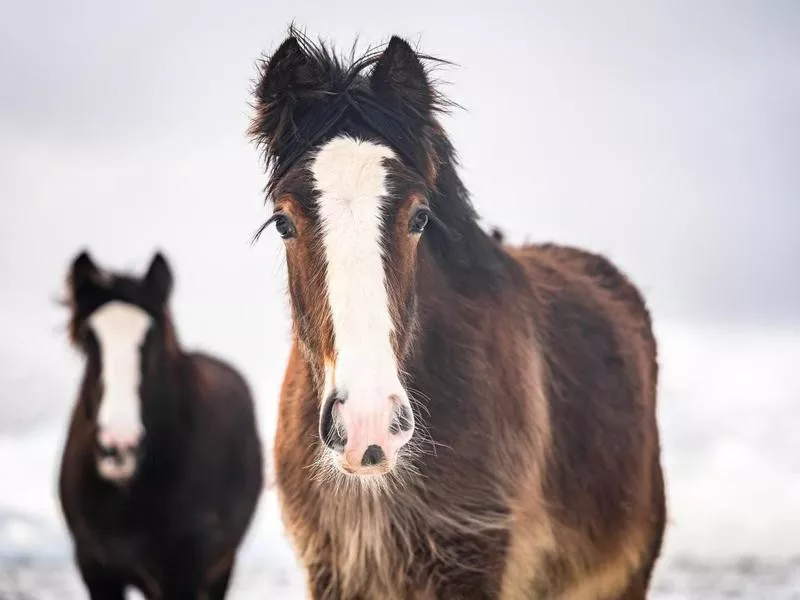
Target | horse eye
(284,227)
(418,221)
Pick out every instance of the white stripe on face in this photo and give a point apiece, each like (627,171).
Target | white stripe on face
(120,329)
(350,177)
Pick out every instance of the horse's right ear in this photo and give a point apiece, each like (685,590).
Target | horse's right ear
(282,72)
(288,79)
(82,274)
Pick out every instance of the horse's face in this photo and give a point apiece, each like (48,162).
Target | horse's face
(118,323)
(351,213)
(351,255)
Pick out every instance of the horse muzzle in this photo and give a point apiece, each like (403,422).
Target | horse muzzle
(366,439)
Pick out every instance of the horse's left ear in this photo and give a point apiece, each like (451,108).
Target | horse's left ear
(159,279)
(399,76)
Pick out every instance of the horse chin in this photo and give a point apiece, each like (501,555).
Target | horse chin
(369,474)
(373,471)
(117,472)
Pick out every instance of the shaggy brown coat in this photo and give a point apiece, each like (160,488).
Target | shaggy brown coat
(534,471)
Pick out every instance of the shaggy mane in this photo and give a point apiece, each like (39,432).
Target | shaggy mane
(344,96)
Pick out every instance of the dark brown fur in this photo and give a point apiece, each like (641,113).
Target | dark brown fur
(534,471)
(174,530)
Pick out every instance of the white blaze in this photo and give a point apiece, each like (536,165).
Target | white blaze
(351,178)
(120,329)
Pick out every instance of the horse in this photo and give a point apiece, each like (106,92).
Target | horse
(162,467)
(459,417)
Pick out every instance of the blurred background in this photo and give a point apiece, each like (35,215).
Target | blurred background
(665,134)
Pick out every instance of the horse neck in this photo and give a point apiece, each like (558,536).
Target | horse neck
(447,308)
(168,387)
(465,280)
(461,262)
(166,408)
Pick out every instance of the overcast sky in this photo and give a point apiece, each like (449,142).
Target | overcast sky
(666,134)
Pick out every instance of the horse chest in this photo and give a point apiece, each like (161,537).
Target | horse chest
(394,552)
(363,548)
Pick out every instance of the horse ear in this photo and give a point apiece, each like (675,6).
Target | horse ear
(399,76)
(283,71)
(288,81)
(159,279)
(83,274)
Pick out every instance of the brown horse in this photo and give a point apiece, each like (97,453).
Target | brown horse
(162,467)
(459,418)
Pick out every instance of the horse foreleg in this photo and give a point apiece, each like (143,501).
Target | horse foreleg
(101,584)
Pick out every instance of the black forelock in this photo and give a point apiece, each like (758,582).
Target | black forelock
(117,288)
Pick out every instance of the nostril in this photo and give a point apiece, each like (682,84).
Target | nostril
(117,448)
(329,430)
(107,451)
(373,456)
(402,421)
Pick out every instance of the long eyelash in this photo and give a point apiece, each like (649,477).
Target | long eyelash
(264,225)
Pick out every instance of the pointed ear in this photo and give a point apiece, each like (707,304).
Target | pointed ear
(289,83)
(83,274)
(159,279)
(399,77)
(283,71)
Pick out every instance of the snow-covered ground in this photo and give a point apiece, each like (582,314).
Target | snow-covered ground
(729,417)
(695,581)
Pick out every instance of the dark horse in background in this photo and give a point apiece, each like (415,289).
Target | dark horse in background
(459,418)
(162,468)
